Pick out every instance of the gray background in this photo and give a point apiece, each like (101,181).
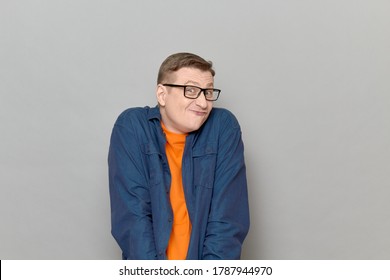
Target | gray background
(308,81)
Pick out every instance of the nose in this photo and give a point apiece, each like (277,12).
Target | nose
(201,101)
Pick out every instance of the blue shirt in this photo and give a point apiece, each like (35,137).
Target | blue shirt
(214,181)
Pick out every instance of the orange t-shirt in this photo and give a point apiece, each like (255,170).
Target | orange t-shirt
(181,228)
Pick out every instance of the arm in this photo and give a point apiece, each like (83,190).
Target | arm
(228,222)
(131,217)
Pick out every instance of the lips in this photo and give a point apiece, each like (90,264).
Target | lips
(199,113)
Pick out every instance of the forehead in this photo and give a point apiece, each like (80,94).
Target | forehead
(193,76)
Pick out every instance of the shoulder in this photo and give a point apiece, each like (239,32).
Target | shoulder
(136,115)
(220,123)
(133,113)
(223,118)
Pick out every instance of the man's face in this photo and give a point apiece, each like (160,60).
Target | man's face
(180,114)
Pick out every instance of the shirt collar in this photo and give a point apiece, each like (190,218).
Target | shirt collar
(154,113)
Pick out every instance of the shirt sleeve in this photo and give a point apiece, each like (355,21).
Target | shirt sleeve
(228,222)
(131,217)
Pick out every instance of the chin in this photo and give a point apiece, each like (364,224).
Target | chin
(190,128)
(197,126)
(193,124)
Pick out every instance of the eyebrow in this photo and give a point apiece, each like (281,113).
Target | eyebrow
(197,84)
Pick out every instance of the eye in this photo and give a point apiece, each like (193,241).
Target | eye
(190,89)
(209,92)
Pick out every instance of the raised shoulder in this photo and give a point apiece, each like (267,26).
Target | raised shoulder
(225,118)
(133,115)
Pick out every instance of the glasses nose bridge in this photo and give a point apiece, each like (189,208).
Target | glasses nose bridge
(201,90)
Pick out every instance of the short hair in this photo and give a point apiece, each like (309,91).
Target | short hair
(177,61)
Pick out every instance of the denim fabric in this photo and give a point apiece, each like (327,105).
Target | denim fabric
(214,182)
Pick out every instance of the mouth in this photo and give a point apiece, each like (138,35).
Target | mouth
(199,113)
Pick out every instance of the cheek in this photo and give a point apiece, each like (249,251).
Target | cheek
(187,105)
(176,105)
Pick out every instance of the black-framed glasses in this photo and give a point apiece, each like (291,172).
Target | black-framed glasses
(193,92)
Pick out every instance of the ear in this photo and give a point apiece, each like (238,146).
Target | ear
(161,94)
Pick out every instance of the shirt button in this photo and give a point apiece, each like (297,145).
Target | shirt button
(170,220)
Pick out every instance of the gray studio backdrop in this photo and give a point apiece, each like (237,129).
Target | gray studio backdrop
(308,80)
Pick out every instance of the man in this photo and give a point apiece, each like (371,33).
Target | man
(177,173)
